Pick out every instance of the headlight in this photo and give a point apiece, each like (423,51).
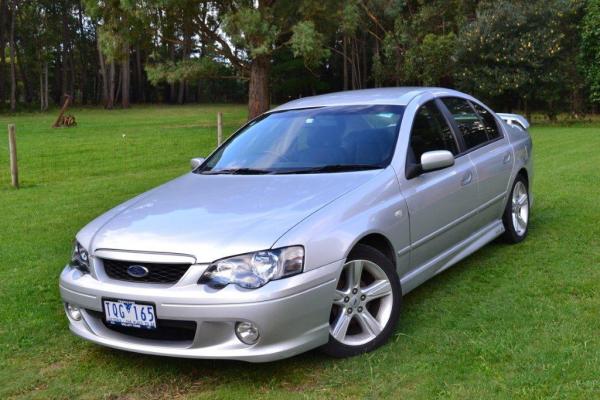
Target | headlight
(80,258)
(254,270)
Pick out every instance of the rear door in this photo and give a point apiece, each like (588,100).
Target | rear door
(440,203)
(490,152)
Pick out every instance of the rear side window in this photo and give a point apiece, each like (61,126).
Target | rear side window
(429,132)
(489,122)
(470,125)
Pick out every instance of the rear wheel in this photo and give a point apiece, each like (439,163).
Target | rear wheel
(516,214)
(366,304)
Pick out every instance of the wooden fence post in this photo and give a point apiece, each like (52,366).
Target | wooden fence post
(12,147)
(219,128)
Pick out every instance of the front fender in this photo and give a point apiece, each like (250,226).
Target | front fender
(330,233)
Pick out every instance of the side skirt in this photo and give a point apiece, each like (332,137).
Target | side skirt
(451,256)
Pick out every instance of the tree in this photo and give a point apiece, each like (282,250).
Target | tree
(590,49)
(118,24)
(13,9)
(247,33)
(518,50)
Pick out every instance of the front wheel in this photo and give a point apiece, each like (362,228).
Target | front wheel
(516,214)
(366,304)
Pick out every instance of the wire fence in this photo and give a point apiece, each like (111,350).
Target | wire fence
(153,142)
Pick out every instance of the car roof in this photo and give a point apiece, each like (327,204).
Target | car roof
(379,96)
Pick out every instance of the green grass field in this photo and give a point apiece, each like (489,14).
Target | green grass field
(509,322)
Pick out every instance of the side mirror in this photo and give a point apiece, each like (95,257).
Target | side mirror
(196,162)
(438,159)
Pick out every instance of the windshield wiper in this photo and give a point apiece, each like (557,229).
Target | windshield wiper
(238,171)
(332,168)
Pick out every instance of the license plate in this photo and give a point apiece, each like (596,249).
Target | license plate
(130,314)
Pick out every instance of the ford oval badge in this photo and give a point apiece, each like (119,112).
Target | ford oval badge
(137,271)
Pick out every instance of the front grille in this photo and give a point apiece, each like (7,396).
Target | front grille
(157,273)
(166,329)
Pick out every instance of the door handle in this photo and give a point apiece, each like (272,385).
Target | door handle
(467,178)
(507,158)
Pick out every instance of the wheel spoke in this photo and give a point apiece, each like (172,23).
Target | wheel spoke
(338,297)
(522,200)
(378,289)
(341,326)
(354,273)
(369,323)
(521,221)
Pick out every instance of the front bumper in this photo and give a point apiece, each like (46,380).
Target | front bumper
(292,314)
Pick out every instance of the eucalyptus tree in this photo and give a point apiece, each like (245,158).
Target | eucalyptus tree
(119,24)
(245,34)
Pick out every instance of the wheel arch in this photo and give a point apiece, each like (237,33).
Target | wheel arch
(379,242)
(523,172)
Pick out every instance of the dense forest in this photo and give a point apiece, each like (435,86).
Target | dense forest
(536,55)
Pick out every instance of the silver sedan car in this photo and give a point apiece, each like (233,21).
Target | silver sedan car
(304,229)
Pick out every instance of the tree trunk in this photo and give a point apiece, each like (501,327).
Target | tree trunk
(118,90)
(141,97)
(3,22)
(83,81)
(104,76)
(65,58)
(345,61)
(45,86)
(172,88)
(111,86)
(28,89)
(258,93)
(2,69)
(355,65)
(364,59)
(42,90)
(126,77)
(181,93)
(13,70)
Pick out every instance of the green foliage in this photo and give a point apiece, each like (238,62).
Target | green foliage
(430,62)
(529,54)
(419,47)
(350,17)
(252,29)
(120,22)
(190,70)
(590,49)
(308,43)
(518,48)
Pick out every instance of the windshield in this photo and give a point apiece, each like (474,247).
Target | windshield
(326,139)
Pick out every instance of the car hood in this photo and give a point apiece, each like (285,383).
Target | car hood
(216,216)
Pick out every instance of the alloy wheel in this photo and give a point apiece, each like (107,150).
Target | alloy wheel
(520,208)
(362,304)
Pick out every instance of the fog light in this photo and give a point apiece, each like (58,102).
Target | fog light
(247,332)
(74,312)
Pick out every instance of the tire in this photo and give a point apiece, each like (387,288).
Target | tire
(516,212)
(369,311)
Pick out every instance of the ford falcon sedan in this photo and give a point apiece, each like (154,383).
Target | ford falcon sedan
(305,229)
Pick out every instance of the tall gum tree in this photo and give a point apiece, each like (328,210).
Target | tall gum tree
(247,33)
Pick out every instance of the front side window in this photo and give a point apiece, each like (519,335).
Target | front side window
(429,132)
(325,139)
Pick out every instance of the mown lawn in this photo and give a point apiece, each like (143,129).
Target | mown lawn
(509,322)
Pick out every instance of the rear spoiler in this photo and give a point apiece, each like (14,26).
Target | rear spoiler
(515,119)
